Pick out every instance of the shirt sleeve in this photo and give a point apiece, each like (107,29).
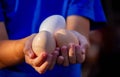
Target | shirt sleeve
(1,13)
(91,9)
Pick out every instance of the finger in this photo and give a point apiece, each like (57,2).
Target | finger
(28,60)
(29,53)
(80,56)
(28,49)
(54,58)
(40,59)
(72,55)
(60,59)
(57,49)
(83,49)
(64,53)
(36,61)
(43,68)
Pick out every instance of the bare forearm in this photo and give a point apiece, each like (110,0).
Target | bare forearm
(11,52)
(79,24)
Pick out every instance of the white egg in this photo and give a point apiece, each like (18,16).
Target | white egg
(43,42)
(65,37)
(53,23)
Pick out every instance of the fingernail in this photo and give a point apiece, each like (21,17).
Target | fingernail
(57,48)
(56,53)
(44,54)
(64,47)
(30,54)
(83,51)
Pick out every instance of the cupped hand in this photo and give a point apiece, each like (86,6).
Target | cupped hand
(75,53)
(40,63)
(82,48)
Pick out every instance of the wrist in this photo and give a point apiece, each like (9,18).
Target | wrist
(19,49)
(20,44)
(79,24)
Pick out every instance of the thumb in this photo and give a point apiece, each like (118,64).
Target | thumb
(28,47)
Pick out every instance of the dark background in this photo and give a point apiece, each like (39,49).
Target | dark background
(108,62)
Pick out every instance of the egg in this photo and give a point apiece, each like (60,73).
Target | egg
(53,23)
(43,42)
(51,32)
(64,37)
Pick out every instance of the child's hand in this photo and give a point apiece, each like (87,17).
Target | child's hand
(82,48)
(40,63)
(75,53)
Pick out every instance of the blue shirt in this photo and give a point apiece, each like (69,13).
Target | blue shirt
(23,17)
